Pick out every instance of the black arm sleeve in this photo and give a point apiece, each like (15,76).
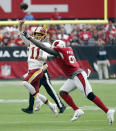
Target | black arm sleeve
(43,47)
(50,58)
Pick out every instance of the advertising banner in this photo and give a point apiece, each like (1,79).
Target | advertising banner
(13,61)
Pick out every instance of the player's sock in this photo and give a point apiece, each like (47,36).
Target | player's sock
(48,103)
(100,104)
(42,97)
(38,101)
(53,107)
(36,96)
(68,99)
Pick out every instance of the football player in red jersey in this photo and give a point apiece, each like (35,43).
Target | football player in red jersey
(77,78)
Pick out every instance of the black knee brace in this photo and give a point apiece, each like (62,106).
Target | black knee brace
(91,96)
(63,92)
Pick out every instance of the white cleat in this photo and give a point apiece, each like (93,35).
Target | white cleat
(110,116)
(54,109)
(38,105)
(77,114)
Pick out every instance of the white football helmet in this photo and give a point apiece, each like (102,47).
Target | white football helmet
(59,43)
(40,33)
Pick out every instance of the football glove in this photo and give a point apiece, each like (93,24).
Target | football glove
(26,35)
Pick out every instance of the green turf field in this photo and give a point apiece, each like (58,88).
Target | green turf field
(14,96)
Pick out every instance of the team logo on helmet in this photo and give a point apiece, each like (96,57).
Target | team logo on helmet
(59,43)
(40,30)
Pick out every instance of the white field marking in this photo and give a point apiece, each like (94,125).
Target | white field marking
(91,108)
(55,82)
(26,100)
(13,101)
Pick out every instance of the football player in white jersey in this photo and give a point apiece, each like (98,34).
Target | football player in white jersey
(36,59)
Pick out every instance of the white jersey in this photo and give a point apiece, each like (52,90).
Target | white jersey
(33,54)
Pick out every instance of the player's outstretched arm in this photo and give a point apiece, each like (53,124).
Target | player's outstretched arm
(21,25)
(21,30)
(43,47)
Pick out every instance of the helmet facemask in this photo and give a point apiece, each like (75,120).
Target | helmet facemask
(40,34)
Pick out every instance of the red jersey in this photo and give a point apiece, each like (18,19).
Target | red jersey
(67,61)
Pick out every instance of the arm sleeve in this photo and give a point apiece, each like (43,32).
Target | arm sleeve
(26,41)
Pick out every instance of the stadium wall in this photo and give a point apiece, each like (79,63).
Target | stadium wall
(13,61)
(67,8)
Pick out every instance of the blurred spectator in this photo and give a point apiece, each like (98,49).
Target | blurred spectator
(19,41)
(102,35)
(12,41)
(109,25)
(5,39)
(28,16)
(69,28)
(53,32)
(56,15)
(111,36)
(74,40)
(84,37)
(63,36)
(53,38)
(72,34)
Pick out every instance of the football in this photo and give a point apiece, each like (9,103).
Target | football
(23,6)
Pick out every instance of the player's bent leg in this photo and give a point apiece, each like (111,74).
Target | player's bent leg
(38,102)
(91,96)
(30,88)
(68,99)
(100,104)
(33,92)
(43,99)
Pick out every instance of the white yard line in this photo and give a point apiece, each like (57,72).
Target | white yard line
(13,101)
(54,82)
(26,100)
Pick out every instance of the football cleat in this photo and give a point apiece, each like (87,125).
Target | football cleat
(27,110)
(62,109)
(110,116)
(77,114)
(54,109)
